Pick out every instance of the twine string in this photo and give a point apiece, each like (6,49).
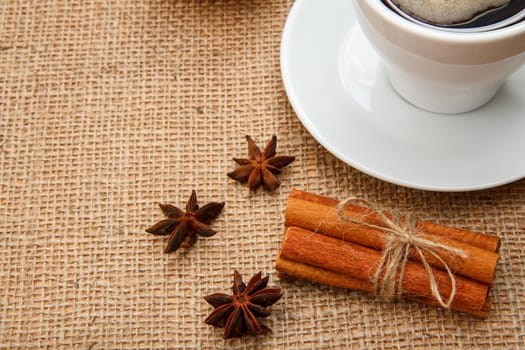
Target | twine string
(403,238)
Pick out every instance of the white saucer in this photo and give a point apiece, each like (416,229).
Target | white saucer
(335,83)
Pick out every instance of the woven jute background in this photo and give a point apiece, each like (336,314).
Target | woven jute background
(108,108)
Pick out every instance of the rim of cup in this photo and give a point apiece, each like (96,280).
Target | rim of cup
(509,32)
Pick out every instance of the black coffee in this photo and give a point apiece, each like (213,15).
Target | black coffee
(482,19)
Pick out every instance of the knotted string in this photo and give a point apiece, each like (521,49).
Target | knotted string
(402,238)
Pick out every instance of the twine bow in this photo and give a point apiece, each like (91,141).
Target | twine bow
(403,238)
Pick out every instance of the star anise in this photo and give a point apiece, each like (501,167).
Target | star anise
(262,167)
(238,313)
(184,226)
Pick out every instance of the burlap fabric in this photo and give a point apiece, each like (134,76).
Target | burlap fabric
(110,107)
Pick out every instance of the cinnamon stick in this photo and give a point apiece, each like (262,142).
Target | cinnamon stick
(319,214)
(480,240)
(360,263)
(289,269)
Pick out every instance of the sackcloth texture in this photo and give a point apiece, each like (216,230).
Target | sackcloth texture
(108,108)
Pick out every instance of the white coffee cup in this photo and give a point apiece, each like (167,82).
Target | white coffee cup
(441,71)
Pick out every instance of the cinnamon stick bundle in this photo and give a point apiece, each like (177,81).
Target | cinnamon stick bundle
(319,214)
(320,246)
